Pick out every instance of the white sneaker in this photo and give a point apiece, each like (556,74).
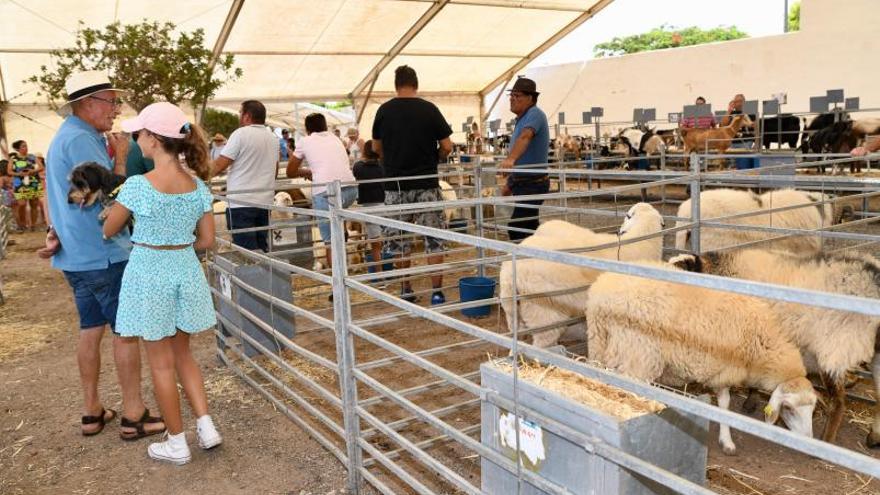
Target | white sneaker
(174,449)
(208,435)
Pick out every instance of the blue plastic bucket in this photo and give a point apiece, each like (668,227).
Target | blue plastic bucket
(474,289)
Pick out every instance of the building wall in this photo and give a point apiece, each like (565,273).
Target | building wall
(837,47)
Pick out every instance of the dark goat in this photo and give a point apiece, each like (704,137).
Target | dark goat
(783,129)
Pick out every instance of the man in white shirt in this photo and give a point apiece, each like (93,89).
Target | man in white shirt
(251,155)
(328,162)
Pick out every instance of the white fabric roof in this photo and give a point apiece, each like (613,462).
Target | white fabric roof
(299,50)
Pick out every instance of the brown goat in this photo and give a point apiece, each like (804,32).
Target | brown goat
(717,139)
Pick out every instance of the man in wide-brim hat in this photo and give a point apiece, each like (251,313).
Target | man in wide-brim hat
(92,265)
(529,145)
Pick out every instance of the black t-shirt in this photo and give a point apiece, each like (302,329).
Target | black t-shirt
(410,129)
(371,192)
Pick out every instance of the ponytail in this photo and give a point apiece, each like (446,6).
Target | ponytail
(195,151)
(194,148)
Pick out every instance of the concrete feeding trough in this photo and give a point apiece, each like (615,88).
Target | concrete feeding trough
(262,278)
(665,437)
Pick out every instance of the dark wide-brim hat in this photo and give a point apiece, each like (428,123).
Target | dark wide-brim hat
(82,85)
(524,85)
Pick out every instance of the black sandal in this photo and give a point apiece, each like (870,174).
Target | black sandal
(138,425)
(100,419)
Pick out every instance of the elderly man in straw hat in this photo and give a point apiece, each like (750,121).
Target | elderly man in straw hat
(217,144)
(92,265)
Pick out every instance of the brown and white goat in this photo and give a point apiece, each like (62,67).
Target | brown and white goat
(717,139)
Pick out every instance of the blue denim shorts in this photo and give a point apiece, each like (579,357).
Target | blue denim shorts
(96,293)
(322,202)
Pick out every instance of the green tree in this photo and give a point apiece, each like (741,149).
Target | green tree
(215,121)
(148,59)
(666,37)
(794,17)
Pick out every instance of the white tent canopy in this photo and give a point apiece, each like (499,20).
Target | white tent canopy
(297,50)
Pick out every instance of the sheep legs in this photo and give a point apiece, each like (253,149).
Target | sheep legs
(724,437)
(837,392)
(873,440)
(751,403)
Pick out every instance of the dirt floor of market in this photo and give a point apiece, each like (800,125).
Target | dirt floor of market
(42,451)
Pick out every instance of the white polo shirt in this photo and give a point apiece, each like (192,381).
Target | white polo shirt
(254,152)
(325,154)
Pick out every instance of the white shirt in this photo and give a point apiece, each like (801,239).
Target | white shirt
(326,158)
(254,151)
(216,149)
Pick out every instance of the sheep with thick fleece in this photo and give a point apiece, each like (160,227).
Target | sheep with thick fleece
(724,202)
(535,276)
(831,341)
(654,330)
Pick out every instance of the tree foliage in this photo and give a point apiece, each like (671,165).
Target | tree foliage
(215,121)
(794,17)
(148,60)
(666,37)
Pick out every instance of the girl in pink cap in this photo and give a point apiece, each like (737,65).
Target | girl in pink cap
(164,296)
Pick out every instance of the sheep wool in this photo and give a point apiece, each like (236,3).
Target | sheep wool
(534,276)
(654,330)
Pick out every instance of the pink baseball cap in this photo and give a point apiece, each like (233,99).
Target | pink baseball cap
(163,118)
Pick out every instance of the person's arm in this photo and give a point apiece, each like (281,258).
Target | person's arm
(205,232)
(10,169)
(869,147)
(221,164)
(119,143)
(445,148)
(116,220)
(294,170)
(377,147)
(725,121)
(519,147)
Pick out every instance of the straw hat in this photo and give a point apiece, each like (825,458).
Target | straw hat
(82,85)
(220,138)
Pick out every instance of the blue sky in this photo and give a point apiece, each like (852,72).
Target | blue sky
(626,17)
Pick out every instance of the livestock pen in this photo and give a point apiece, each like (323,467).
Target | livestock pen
(393,388)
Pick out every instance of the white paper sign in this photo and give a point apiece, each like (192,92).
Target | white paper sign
(531,438)
(225,285)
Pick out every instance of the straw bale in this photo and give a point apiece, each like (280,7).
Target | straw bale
(605,398)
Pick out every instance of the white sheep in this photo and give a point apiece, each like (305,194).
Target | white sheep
(832,341)
(534,276)
(724,202)
(678,334)
(448,194)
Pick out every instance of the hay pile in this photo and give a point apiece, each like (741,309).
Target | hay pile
(605,398)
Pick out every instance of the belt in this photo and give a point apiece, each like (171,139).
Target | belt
(163,248)
(529,179)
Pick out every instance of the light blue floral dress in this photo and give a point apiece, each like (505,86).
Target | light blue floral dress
(163,290)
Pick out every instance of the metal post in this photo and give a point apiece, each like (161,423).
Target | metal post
(695,203)
(785,17)
(562,190)
(478,211)
(344,341)
(663,167)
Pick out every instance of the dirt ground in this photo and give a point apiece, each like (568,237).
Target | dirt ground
(42,451)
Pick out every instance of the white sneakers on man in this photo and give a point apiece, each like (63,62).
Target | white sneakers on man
(174,449)
(208,435)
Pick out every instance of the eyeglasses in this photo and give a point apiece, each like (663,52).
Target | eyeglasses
(514,96)
(136,134)
(116,102)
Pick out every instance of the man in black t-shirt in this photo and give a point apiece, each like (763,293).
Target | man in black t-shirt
(411,136)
